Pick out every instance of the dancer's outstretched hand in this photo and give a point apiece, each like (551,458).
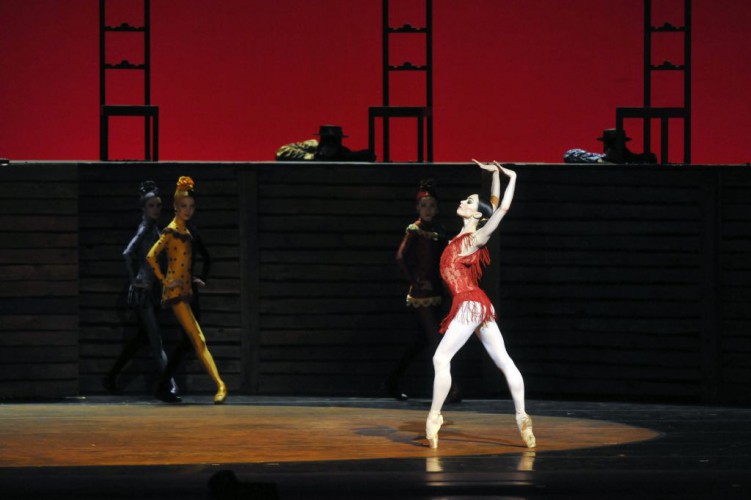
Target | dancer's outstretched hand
(507,172)
(485,166)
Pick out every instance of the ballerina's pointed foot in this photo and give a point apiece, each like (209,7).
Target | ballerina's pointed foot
(221,395)
(524,423)
(432,426)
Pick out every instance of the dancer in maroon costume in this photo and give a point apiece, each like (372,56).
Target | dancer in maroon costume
(471,311)
(418,257)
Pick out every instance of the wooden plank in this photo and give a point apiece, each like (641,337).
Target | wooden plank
(33,372)
(41,256)
(30,206)
(563,386)
(345,337)
(41,174)
(735,229)
(337,321)
(689,291)
(50,305)
(584,357)
(332,256)
(46,288)
(38,338)
(351,241)
(98,351)
(576,210)
(31,223)
(675,245)
(547,339)
(38,240)
(37,192)
(127,203)
(65,322)
(363,174)
(321,273)
(610,193)
(614,374)
(332,224)
(250,293)
(305,288)
(335,354)
(38,354)
(46,272)
(573,274)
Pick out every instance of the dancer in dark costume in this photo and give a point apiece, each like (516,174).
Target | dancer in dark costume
(462,264)
(143,295)
(418,257)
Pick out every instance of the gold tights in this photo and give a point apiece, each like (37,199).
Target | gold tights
(184,315)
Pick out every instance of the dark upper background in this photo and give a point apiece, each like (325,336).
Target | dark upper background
(234,79)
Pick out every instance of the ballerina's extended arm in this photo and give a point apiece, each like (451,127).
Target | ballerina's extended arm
(482,235)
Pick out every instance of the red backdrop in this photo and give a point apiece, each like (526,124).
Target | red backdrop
(515,80)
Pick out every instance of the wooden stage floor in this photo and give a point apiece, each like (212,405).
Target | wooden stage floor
(110,447)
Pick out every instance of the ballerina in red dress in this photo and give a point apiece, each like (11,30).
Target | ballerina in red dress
(462,263)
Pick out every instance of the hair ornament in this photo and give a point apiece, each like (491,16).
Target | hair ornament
(426,189)
(184,186)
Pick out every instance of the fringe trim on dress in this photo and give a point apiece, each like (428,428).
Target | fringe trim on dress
(479,310)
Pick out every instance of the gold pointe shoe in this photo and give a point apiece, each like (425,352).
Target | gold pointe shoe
(525,429)
(432,426)
(221,395)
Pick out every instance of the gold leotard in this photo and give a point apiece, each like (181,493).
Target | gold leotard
(177,241)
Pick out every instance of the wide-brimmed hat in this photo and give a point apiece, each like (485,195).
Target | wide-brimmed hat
(330,131)
(613,134)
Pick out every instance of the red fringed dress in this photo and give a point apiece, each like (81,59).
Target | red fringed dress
(462,275)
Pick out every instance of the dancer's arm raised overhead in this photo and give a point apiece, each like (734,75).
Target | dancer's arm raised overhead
(482,235)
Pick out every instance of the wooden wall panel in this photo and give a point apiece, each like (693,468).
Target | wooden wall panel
(38,281)
(601,284)
(611,282)
(734,270)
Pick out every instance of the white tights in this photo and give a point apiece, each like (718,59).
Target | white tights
(455,337)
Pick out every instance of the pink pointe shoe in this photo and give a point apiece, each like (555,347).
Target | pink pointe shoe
(432,426)
(524,423)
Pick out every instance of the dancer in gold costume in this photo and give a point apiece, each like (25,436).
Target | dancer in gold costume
(177,292)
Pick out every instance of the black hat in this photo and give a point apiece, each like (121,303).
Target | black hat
(613,134)
(330,131)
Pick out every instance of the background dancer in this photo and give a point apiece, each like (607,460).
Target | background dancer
(418,257)
(462,263)
(177,284)
(143,295)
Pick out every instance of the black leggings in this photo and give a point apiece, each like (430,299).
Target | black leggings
(428,337)
(147,333)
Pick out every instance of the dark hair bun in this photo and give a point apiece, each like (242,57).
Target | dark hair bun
(426,188)
(427,185)
(147,187)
